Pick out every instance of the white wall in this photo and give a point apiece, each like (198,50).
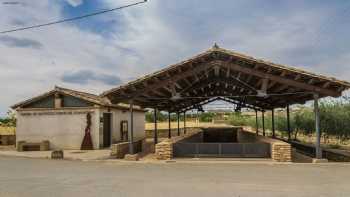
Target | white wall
(64,131)
(120,115)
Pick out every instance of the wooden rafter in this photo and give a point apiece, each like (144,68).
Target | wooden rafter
(219,71)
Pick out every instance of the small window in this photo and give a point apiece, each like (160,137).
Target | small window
(124,130)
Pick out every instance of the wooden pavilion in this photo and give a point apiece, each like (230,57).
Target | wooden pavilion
(223,74)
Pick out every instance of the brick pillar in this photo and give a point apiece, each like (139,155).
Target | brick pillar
(281,152)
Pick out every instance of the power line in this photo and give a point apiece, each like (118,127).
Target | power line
(74,18)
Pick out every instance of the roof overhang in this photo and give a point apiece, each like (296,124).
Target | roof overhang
(220,73)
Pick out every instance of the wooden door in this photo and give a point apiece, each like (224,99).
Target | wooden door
(106,130)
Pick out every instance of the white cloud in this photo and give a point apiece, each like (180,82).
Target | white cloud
(75,3)
(146,38)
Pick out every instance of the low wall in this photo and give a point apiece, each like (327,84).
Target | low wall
(164,149)
(198,137)
(7,139)
(280,151)
(332,155)
(163,133)
(246,137)
(119,150)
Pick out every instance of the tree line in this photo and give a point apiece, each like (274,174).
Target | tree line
(9,120)
(334,120)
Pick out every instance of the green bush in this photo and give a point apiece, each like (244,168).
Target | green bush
(206,116)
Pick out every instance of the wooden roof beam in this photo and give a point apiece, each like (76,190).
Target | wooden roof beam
(200,103)
(209,83)
(264,84)
(166,82)
(239,103)
(326,85)
(286,81)
(311,81)
(187,81)
(297,77)
(282,74)
(280,88)
(216,71)
(228,72)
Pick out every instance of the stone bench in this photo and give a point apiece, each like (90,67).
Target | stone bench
(33,146)
(57,154)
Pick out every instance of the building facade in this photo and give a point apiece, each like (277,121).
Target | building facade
(61,115)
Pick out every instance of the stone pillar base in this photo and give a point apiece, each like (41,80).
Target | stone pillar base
(281,152)
(314,160)
(129,157)
(164,150)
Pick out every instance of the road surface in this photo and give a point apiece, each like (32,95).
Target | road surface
(36,177)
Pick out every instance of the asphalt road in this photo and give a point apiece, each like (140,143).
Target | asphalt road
(36,177)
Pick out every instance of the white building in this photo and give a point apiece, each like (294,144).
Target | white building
(60,116)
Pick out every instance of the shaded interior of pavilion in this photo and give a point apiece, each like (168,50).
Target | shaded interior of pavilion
(220,74)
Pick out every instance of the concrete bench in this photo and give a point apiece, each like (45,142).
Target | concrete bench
(33,146)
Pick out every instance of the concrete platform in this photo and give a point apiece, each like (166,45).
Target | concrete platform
(314,160)
(68,154)
(145,157)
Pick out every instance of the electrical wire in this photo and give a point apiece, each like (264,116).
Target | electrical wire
(74,18)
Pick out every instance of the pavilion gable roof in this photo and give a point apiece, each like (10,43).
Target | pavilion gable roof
(225,73)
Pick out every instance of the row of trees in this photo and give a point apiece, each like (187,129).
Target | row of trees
(9,120)
(334,120)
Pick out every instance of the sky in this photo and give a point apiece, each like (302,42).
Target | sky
(102,52)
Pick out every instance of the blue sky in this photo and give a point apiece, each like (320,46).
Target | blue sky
(102,52)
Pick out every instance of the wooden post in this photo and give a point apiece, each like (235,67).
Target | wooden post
(184,122)
(263,122)
(288,123)
(317,127)
(197,118)
(169,131)
(178,124)
(131,137)
(273,123)
(155,127)
(256,122)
